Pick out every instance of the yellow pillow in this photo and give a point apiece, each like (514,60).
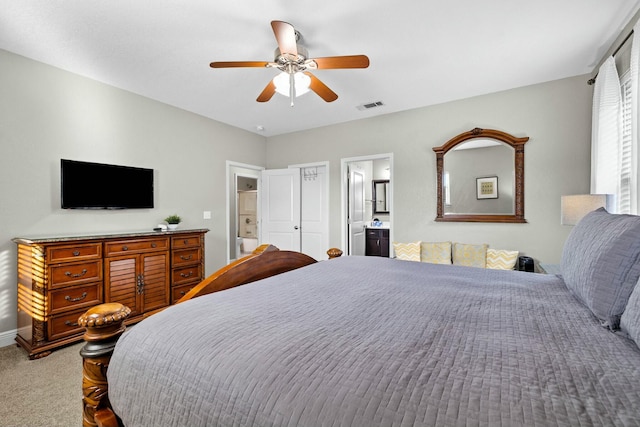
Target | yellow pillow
(501,259)
(436,252)
(470,255)
(407,251)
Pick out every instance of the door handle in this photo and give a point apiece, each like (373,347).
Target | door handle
(295,227)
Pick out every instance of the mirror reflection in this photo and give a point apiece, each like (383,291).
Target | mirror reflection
(479,178)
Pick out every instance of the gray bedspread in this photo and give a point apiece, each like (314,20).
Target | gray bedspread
(367,341)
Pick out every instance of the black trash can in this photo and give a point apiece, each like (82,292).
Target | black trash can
(525,263)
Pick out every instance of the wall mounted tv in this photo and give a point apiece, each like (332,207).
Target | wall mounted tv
(100,186)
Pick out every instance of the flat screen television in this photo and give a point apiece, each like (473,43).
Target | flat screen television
(86,185)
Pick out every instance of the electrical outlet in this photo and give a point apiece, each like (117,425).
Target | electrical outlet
(206,215)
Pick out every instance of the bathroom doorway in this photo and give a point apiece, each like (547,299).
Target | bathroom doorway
(243,209)
(247,214)
(357,213)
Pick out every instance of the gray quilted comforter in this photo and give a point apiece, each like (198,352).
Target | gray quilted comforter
(367,341)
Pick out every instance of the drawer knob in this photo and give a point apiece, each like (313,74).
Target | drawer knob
(80,298)
(76,253)
(186,258)
(75,276)
(189,274)
(68,323)
(185,241)
(125,248)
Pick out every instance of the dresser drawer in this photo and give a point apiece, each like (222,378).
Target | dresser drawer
(75,252)
(180,291)
(188,241)
(75,297)
(64,325)
(188,274)
(185,256)
(124,247)
(76,273)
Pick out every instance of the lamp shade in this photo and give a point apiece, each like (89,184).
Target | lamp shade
(574,207)
(301,81)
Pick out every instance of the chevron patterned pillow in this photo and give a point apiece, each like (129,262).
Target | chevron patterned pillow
(407,251)
(500,259)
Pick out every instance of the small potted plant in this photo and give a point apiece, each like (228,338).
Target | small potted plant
(173,221)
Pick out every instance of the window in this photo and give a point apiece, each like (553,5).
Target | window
(626,164)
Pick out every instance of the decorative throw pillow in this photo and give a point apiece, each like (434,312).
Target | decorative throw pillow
(470,255)
(436,252)
(407,251)
(630,320)
(501,259)
(600,263)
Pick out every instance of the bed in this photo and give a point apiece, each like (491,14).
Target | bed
(367,341)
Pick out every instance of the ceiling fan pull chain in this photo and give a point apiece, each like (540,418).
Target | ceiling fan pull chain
(292,87)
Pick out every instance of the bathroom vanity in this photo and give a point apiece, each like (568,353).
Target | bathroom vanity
(377,241)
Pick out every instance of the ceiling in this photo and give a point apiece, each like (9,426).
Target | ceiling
(422,52)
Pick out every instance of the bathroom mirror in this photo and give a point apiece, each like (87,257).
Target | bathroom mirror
(480,177)
(379,196)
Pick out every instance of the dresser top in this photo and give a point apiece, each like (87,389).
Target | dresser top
(115,235)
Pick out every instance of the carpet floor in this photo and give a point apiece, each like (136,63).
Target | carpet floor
(43,392)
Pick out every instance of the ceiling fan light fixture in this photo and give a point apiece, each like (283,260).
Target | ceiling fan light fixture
(301,82)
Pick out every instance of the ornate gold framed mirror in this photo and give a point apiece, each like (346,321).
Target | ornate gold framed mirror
(482,177)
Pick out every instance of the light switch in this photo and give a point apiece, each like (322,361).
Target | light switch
(206,215)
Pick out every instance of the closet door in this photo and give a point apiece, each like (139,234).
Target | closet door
(280,209)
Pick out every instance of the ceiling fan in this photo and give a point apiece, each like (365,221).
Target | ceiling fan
(292,59)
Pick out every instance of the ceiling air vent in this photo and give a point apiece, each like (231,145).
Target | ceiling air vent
(370,105)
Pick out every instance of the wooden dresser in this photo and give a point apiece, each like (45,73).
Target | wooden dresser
(60,277)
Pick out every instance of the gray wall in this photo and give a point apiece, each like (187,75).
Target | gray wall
(556,116)
(47,114)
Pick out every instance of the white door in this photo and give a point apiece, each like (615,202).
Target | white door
(356,221)
(315,211)
(280,209)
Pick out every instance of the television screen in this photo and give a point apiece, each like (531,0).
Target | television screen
(100,186)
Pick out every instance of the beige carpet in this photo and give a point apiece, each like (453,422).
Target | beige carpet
(43,392)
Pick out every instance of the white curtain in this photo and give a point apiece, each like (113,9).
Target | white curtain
(634,69)
(606,135)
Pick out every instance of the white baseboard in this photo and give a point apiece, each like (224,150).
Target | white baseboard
(8,338)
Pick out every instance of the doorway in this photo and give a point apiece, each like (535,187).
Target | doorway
(243,204)
(358,175)
(247,217)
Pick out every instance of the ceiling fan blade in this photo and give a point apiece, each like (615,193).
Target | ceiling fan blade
(286,37)
(234,64)
(267,92)
(321,89)
(351,61)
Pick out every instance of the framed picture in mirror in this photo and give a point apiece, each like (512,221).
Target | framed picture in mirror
(487,188)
